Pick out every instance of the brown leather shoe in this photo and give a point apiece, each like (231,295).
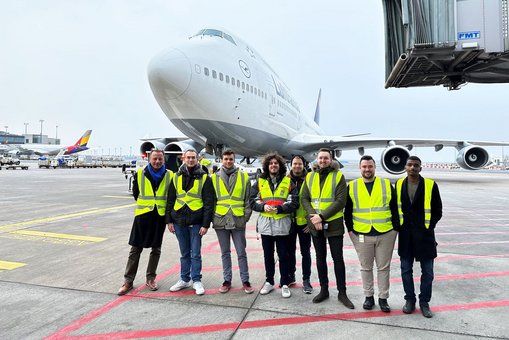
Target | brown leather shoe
(126,287)
(345,300)
(152,285)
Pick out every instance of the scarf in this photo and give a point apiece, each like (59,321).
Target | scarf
(157,175)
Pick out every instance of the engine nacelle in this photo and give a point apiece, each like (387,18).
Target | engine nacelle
(472,157)
(394,159)
(147,146)
(173,152)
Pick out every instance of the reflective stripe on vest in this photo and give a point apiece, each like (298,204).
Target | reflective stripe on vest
(191,198)
(278,198)
(428,188)
(300,214)
(235,201)
(322,198)
(371,210)
(147,199)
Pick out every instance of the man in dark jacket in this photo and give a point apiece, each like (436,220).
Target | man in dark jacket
(299,228)
(150,187)
(420,208)
(324,198)
(188,215)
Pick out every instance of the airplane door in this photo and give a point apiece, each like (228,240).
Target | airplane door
(272,106)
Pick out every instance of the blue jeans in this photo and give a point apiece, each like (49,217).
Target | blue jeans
(408,279)
(190,252)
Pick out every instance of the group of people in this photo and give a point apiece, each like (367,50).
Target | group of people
(312,206)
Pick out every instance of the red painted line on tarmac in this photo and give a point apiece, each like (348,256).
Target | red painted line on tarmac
(295,320)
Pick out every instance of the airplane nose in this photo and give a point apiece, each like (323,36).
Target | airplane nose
(169,74)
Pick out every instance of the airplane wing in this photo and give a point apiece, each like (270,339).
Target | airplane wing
(471,154)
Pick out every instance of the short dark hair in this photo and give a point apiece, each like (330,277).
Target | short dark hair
(266,160)
(329,151)
(367,158)
(304,162)
(155,150)
(413,158)
(227,152)
(190,150)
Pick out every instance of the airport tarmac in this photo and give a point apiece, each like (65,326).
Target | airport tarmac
(63,250)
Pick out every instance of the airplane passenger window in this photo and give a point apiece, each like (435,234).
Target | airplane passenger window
(243,85)
(214,74)
(251,88)
(206,71)
(227,79)
(197,68)
(233,81)
(221,76)
(238,83)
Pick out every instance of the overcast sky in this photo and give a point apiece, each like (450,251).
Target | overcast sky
(82,65)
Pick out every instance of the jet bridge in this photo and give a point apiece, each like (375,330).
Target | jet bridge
(446,42)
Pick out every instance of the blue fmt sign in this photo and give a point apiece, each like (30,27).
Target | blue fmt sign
(469,35)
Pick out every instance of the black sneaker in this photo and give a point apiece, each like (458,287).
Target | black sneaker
(306,287)
(369,303)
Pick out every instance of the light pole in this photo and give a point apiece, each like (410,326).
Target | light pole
(6,127)
(41,120)
(56,133)
(26,124)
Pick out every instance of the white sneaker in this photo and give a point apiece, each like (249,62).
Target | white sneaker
(285,291)
(198,287)
(267,288)
(180,285)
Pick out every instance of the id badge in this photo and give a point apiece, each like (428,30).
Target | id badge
(361,238)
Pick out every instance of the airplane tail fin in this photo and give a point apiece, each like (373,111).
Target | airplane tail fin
(84,139)
(317,111)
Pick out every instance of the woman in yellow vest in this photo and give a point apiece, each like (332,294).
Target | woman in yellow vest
(150,189)
(275,198)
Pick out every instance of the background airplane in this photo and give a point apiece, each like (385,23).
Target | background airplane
(220,92)
(48,149)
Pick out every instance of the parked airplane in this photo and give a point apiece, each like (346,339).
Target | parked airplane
(220,92)
(49,149)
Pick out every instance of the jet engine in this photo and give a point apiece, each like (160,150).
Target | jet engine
(394,159)
(472,157)
(172,151)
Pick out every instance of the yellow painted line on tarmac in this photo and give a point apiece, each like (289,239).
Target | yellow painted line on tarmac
(128,197)
(61,217)
(6,265)
(58,235)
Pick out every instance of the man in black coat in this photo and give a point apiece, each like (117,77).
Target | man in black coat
(191,202)
(420,209)
(150,187)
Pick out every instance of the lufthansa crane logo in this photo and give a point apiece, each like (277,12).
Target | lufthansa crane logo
(244,68)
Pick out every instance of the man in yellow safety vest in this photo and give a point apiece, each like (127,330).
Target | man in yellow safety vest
(188,215)
(324,198)
(150,188)
(233,210)
(371,217)
(420,209)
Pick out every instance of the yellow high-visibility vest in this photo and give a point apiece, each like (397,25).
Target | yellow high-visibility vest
(276,198)
(428,188)
(371,210)
(191,198)
(300,213)
(321,199)
(235,201)
(147,199)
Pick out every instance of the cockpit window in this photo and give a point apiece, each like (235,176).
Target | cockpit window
(216,33)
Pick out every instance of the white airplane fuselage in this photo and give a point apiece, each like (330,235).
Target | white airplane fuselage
(222,93)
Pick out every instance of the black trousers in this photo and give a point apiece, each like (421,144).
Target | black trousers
(281,243)
(305,251)
(336,250)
